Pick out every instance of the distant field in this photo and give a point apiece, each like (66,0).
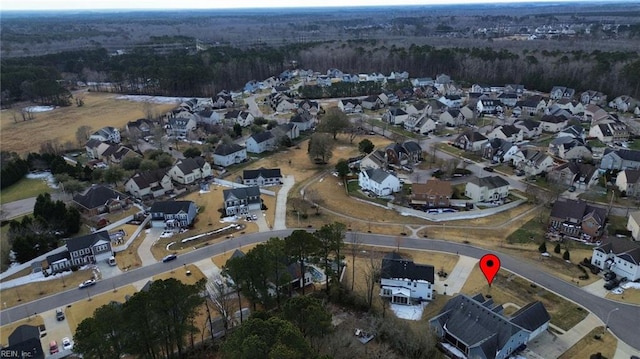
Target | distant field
(24,188)
(99,110)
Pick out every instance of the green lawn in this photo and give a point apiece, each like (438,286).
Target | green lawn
(24,188)
(532,231)
(635,145)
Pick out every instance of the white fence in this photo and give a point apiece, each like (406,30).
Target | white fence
(224,183)
(439,217)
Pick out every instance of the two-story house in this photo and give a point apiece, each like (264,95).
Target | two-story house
(190,170)
(619,255)
(350,105)
(487,189)
(628,181)
(99,199)
(452,118)
(173,214)
(228,154)
(530,128)
(573,173)
(633,225)
(404,282)
(488,106)
(83,250)
(304,120)
(180,127)
(592,97)
(432,194)
(395,116)
(577,220)
(107,134)
(610,131)
(470,141)
(261,142)
(149,184)
(508,133)
(498,150)
(621,159)
(554,124)
(240,201)
(560,92)
(532,162)
(378,181)
(262,177)
(569,148)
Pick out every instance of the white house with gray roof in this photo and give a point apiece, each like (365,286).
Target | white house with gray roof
(262,177)
(80,251)
(153,184)
(404,282)
(378,181)
(487,189)
(229,154)
(620,160)
(107,134)
(189,170)
(240,201)
(619,255)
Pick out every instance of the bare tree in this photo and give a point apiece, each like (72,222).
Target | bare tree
(354,247)
(147,109)
(314,197)
(371,275)
(83,133)
(27,115)
(222,301)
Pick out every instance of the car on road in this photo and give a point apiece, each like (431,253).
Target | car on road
(66,343)
(87,283)
(59,314)
(520,173)
(169,258)
(488,169)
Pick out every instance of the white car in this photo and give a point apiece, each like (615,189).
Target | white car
(87,283)
(66,343)
(166,234)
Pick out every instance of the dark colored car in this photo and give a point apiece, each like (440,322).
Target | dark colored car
(489,169)
(59,314)
(169,258)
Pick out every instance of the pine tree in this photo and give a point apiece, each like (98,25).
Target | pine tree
(557,248)
(543,247)
(566,255)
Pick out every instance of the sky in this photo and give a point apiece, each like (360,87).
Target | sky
(221,4)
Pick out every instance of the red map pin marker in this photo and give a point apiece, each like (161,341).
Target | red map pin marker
(489,265)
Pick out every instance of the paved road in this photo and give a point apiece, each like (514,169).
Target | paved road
(622,322)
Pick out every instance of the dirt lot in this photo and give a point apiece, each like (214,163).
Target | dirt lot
(82,309)
(99,110)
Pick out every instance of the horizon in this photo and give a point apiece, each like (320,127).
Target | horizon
(158,5)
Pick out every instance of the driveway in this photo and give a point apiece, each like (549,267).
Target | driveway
(281,203)
(144,250)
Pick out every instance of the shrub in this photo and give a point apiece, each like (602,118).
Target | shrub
(543,247)
(566,256)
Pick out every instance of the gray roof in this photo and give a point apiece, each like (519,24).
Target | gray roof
(529,123)
(632,175)
(171,207)
(531,317)
(412,146)
(147,178)
(394,266)
(577,209)
(630,155)
(24,333)
(264,172)
(621,247)
(490,182)
(509,130)
(74,244)
(377,175)
(188,165)
(262,136)
(227,149)
(243,193)
(96,196)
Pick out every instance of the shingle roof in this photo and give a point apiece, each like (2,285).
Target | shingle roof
(412,146)
(97,196)
(24,333)
(264,172)
(433,187)
(188,165)
(227,149)
(529,124)
(531,317)
(145,179)
(577,209)
(632,175)
(398,267)
(629,155)
(242,193)
(490,182)
(74,244)
(621,247)
(262,136)
(377,175)
(170,207)
(510,130)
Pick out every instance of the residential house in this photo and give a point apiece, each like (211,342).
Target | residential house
(443,79)
(551,123)
(173,214)
(140,128)
(375,159)
(400,76)
(229,154)
(594,114)
(591,97)
(223,100)
(372,103)
(240,201)
(262,177)
(408,152)
(508,99)
(180,126)
(261,142)
(419,108)
(468,114)
(498,150)
(610,132)
(99,199)
(488,106)
(487,189)
(304,121)
(628,181)
(532,162)
(507,132)
(422,81)
(251,86)
(530,128)
(425,124)
(378,181)
(289,130)
(571,107)
(573,173)
(518,89)
(24,343)
(155,183)
(312,107)
(633,225)
(577,220)
(432,194)
(470,141)
(481,88)
(404,94)
(530,106)
(208,116)
(107,134)
(83,250)
(350,105)
(92,148)
(451,101)
(452,118)
(285,105)
(574,131)
(620,160)
(619,255)
(569,148)
(560,92)
(624,103)
(477,328)
(395,116)
(189,170)
(413,151)
(404,282)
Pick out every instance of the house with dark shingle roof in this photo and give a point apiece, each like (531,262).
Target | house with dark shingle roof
(530,128)
(24,343)
(155,183)
(107,134)
(509,133)
(378,181)
(240,201)
(99,199)
(173,213)
(532,162)
(569,148)
(470,141)
(189,170)
(375,159)
(261,142)
(181,126)
(432,194)
(475,327)
(574,173)
(262,177)
(229,154)
(89,249)
(404,282)
(304,120)
(552,123)
(629,182)
(498,150)
(487,189)
(621,159)
(577,220)
(619,255)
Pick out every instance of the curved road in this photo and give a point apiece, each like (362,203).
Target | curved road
(623,322)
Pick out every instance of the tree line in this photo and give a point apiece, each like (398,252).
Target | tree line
(205,73)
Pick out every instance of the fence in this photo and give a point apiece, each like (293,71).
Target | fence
(456,215)
(240,185)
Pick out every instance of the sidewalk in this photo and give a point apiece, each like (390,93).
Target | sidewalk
(281,203)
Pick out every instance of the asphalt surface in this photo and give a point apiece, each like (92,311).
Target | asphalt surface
(623,322)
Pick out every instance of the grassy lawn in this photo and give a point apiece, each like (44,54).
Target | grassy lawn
(635,145)
(445,147)
(82,309)
(29,292)
(354,190)
(616,223)
(25,188)
(509,288)
(531,232)
(630,295)
(506,169)
(589,345)
(394,129)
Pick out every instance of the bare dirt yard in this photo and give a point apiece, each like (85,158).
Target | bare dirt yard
(60,125)
(82,309)
(6,330)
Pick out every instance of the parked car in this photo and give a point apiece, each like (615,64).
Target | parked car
(572,189)
(611,284)
(87,283)
(169,258)
(66,343)
(59,314)
(488,169)
(53,347)
(166,234)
